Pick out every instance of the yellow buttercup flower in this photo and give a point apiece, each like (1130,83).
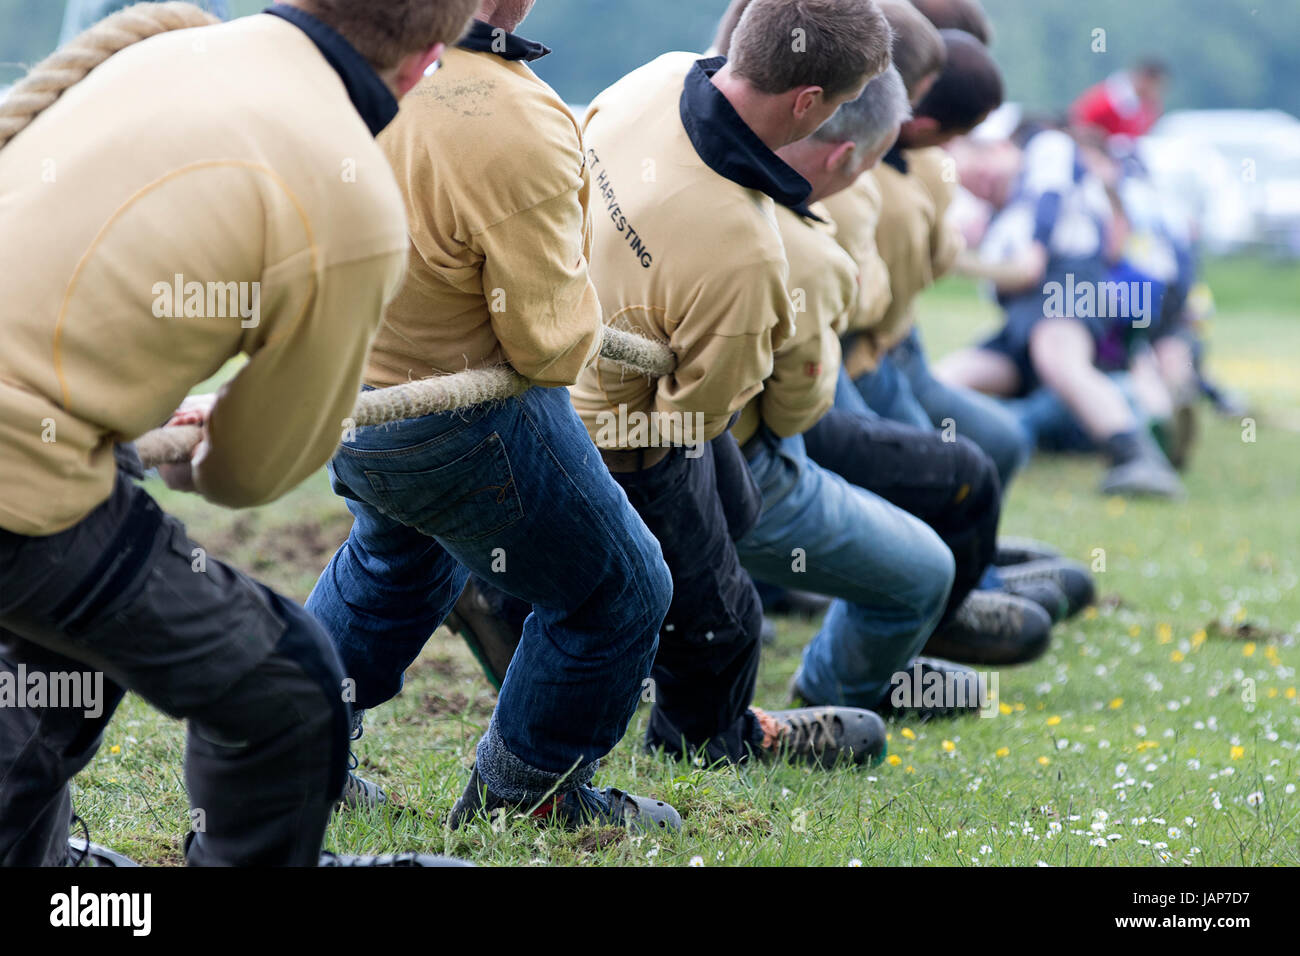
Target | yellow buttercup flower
(1044,760)
(1237,753)
(1004,708)
(115,749)
(1176,657)
(1053,720)
(1249,649)
(894,760)
(1117,703)
(909,733)
(1198,638)
(1164,633)
(949,746)
(1002,752)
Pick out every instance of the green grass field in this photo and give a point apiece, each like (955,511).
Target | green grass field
(1163,728)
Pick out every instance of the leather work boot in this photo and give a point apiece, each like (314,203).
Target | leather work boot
(935,690)
(358,792)
(822,735)
(585,806)
(1072,578)
(1149,475)
(390,860)
(1041,591)
(490,636)
(993,627)
(1013,550)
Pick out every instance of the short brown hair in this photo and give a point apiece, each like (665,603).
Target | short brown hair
(965,15)
(385,31)
(968,89)
(779,45)
(918,48)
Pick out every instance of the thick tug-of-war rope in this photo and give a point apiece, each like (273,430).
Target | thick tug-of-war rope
(442,393)
(70,64)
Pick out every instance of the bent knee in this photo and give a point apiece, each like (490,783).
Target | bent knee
(299,687)
(940,574)
(979,485)
(643,584)
(1060,349)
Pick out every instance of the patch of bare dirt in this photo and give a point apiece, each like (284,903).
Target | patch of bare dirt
(593,841)
(1245,631)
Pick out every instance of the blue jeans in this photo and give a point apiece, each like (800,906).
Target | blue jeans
(516,493)
(1050,425)
(889,572)
(904,389)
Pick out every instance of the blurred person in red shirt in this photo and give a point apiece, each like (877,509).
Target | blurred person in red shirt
(1126,103)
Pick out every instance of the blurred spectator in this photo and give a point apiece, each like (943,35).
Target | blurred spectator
(1126,103)
(1046,251)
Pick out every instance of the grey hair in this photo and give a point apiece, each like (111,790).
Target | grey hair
(873,116)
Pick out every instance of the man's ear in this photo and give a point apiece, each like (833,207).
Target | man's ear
(412,69)
(841,156)
(806,99)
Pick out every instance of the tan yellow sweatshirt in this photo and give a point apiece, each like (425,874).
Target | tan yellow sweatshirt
(490,162)
(681,254)
(824,287)
(913,238)
(232,158)
(855,212)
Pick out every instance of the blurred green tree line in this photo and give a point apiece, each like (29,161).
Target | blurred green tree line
(1225,53)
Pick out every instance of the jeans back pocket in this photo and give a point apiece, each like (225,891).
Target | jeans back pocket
(466,499)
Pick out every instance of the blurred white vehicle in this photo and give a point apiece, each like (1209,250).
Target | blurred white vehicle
(1236,173)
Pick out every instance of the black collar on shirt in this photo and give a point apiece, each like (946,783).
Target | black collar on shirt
(372,98)
(728,146)
(483,38)
(804,210)
(896,158)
